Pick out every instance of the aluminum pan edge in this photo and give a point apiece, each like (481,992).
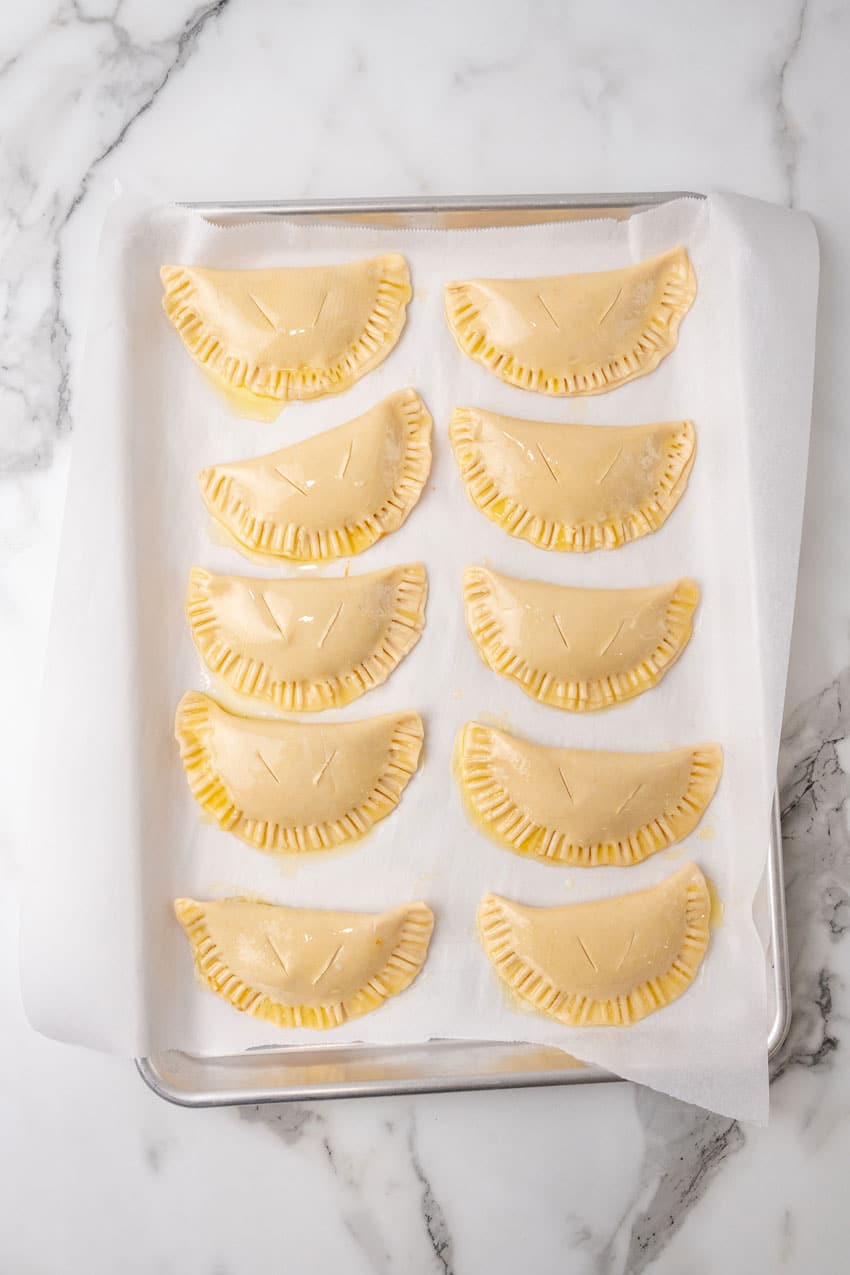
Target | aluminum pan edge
(444,1066)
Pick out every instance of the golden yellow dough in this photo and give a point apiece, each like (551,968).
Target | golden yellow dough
(306,645)
(572,487)
(603,964)
(574,333)
(579,807)
(332,495)
(578,649)
(302,967)
(290,333)
(292,786)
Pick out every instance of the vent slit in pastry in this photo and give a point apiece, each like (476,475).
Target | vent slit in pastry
(289,786)
(332,495)
(304,967)
(583,808)
(577,649)
(306,645)
(572,487)
(608,963)
(576,333)
(290,333)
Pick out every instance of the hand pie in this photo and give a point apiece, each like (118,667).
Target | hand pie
(334,494)
(574,333)
(292,333)
(301,967)
(582,808)
(289,786)
(603,964)
(305,645)
(579,649)
(572,487)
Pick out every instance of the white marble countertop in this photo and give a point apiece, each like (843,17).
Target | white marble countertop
(242,98)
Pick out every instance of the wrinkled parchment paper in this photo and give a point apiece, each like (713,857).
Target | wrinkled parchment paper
(116,834)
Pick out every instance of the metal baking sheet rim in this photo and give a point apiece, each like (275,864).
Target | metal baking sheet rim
(190,1080)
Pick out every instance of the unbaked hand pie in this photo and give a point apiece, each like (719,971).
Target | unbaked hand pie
(306,645)
(578,649)
(332,495)
(579,807)
(293,786)
(603,964)
(290,333)
(304,967)
(574,333)
(572,487)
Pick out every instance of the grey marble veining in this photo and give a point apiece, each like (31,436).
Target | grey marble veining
(815,787)
(364,1217)
(244,98)
(119,70)
(685,1148)
(787,132)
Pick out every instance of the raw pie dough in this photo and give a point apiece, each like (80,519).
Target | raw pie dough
(573,487)
(603,964)
(574,333)
(300,967)
(290,786)
(586,809)
(332,495)
(292,333)
(579,649)
(305,645)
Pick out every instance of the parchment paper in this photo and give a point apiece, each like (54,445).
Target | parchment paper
(115,832)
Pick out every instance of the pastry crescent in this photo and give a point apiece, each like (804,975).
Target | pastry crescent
(292,333)
(290,786)
(578,649)
(303,967)
(583,808)
(305,645)
(332,495)
(574,333)
(608,963)
(572,487)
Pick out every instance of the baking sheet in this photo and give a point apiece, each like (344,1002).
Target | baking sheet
(153,421)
